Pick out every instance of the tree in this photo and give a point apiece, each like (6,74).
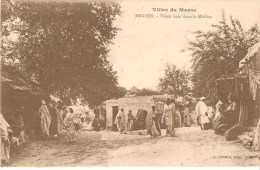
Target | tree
(64,47)
(7,9)
(147,92)
(175,81)
(217,53)
(120,92)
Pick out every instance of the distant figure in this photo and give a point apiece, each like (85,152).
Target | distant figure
(4,141)
(231,103)
(201,113)
(187,121)
(58,107)
(152,123)
(168,118)
(54,127)
(130,121)
(96,123)
(120,120)
(18,125)
(45,119)
(220,107)
(63,114)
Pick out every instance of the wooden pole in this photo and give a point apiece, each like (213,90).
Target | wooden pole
(256,141)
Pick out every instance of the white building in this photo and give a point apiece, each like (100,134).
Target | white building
(134,103)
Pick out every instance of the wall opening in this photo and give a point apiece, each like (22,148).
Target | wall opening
(114,112)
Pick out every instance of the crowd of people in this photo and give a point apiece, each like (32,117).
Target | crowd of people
(155,121)
(221,119)
(48,121)
(51,118)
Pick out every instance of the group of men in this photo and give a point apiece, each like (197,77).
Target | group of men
(154,120)
(48,120)
(124,122)
(51,119)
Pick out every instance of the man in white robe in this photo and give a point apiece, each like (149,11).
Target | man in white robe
(201,113)
(121,121)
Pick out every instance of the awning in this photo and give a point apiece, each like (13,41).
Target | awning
(21,85)
(231,77)
(251,52)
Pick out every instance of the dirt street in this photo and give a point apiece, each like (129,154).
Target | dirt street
(190,147)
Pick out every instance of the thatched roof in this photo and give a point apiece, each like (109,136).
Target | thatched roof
(13,79)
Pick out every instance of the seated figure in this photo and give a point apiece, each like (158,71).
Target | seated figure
(226,115)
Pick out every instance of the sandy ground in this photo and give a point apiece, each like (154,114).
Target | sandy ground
(190,147)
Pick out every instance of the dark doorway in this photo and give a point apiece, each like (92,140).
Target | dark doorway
(140,120)
(114,111)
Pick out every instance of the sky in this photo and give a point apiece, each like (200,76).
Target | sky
(144,46)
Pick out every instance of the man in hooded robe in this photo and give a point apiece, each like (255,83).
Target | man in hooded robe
(45,119)
(121,121)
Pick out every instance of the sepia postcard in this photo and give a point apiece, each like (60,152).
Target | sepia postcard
(127,83)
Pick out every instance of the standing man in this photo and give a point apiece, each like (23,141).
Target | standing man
(54,120)
(121,121)
(152,123)
(96,123)
(168,117)
(45,120)
(156,119)
(201,113)
(130,120)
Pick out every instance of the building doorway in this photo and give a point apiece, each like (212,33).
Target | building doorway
(114,111)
